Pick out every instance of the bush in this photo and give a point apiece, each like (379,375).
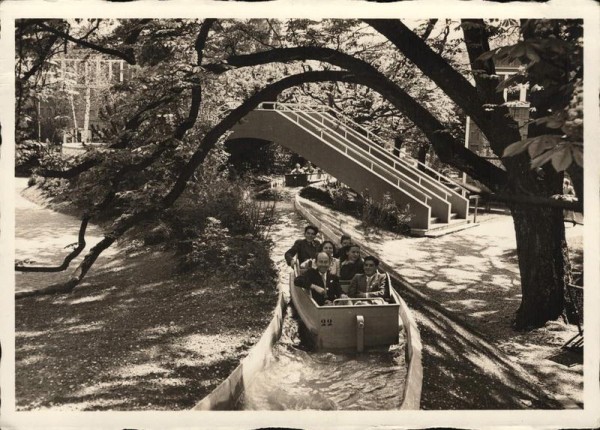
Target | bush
(243,259)
(210,251)
(270,194)
(385,215)
(317,195)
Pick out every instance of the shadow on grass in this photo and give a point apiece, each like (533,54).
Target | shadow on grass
(135,336)
(463,372)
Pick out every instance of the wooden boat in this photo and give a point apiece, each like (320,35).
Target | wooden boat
(348,324)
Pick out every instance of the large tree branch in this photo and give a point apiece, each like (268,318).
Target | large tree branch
(456,86)
(448,149)
(126,55)
(476,41)
(65,264)
(41,59)
(128,221)
(197,89)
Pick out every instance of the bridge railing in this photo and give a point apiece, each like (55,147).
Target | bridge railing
(358,154)
(361,131)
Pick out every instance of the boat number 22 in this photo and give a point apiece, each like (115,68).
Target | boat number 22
(326,322)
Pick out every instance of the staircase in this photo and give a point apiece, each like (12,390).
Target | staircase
(352,154)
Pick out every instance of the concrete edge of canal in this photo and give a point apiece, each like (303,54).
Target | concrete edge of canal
(229,391)
(414,375)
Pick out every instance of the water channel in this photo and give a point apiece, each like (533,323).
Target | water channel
(296,378)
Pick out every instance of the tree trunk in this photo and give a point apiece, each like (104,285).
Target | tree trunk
(73,111)
(543,264)
(397,146)
(86,117)
(422,156)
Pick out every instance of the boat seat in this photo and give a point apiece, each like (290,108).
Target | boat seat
(359,301)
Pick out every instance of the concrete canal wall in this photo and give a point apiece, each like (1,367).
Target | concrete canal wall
(225,396)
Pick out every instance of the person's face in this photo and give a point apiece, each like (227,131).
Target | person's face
(369,267)
(346,242)
(322,262)
(328,248)
(310,235)
(353,254)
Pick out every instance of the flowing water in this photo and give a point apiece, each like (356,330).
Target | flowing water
(297,378)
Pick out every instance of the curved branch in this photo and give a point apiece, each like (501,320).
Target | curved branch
(65,264)
(189,122)
(127,55)
(43,57)
(448,149)
(456,86)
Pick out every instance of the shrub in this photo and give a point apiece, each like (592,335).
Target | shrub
(270,194)
(385,215)
(255,218)
(317,195)
(210,251)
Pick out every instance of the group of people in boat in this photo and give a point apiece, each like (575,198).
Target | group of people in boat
(326,267)
(309,169)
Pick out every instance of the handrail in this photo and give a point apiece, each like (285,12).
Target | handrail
(405,159)
(415,184)
(395,160)
(345,120)
(425,198)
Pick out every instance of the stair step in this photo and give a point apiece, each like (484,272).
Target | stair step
(441,229)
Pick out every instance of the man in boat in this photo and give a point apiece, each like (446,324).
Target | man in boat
(352,264)
(323,285)
(297,170)
(370,284)
(304,249)
(345,242)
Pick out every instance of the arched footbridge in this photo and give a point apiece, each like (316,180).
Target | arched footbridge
(349,152)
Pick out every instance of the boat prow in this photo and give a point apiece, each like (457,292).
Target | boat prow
(345,325)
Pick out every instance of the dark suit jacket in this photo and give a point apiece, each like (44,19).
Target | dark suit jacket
(312,276)
(348,269)
(378,287)
(303,250)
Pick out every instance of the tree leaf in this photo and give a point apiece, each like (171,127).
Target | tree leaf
(516,148)
(562,158)
(556,120)
(487,55)
(541,143)
(542,159)
(577,152)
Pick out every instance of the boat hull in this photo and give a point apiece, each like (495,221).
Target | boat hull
(347,327)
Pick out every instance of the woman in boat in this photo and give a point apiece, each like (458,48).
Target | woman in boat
(352,265)
(329,248)
(304,249)
(324,286)
(371,283)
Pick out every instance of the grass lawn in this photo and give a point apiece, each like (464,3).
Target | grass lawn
(134,336)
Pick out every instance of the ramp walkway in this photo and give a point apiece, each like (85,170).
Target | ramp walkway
(357,157)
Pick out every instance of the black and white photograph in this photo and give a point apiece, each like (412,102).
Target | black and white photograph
(353,216)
